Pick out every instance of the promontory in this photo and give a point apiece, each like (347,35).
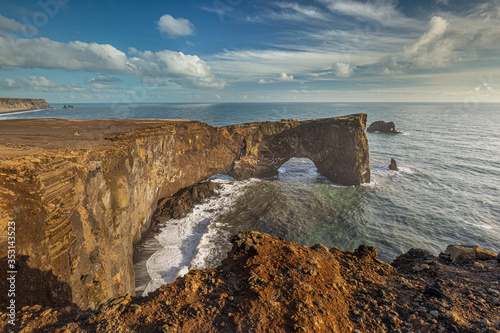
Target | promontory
(8,104)
(81,193)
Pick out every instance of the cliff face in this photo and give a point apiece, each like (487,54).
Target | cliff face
(82,192)
(15,104)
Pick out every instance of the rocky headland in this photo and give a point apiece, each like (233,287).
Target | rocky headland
(267,284)
(81,193)
(8,104)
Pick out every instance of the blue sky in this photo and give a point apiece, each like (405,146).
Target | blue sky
(70,51)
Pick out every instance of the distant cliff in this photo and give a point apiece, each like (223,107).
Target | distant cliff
(15,104)
(82,192)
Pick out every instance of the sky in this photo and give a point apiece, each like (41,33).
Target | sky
(110,51)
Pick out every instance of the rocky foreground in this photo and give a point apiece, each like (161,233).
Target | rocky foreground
(270,285)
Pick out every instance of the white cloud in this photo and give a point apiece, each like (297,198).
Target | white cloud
(187,70)
(175,27)
(342,70)
(283,77)
(40,83)
(288,11)
(442,2)
(433,48)
(302,12)
(381,11)
(10,24)
(104,80)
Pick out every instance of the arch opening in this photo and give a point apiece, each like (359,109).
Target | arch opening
(300,170)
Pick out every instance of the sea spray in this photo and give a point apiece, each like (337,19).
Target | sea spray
(185,243)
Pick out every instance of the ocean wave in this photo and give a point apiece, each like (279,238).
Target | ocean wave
(385,170)
(15,113)
(187,242)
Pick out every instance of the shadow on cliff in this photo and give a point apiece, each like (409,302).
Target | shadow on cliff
(32,287)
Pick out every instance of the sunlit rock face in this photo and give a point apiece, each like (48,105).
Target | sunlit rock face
(82,192)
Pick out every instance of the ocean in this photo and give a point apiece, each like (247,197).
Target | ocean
(446,192)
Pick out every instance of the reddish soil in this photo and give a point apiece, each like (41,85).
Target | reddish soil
(270,285)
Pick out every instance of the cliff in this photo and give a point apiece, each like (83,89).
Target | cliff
(15,104)
(269,285)
(82,192)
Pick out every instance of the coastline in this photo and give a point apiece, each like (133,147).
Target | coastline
(8,104)
(87,189)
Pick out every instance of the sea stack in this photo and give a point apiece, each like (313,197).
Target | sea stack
(393,166)
(383,127)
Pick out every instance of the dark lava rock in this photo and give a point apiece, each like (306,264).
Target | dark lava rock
(182,203)
(366,252)
(393,166)
(434,290)
(383,127)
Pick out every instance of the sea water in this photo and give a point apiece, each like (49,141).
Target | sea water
(446,192)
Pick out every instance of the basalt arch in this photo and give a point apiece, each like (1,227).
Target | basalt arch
(337,146)
(83,192)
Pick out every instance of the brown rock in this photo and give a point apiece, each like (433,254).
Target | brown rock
(383,127)
(460,254)
(482,254)
(87,199)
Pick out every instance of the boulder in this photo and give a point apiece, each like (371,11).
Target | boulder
(482,254)
(383,127)
(460,254)
(393,166)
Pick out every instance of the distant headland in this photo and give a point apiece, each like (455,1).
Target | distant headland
(8,104)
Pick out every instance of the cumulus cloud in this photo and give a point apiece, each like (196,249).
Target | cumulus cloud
(283,77)
(10,24)
(342,69)
(40,83)
(175,27)
(187,70)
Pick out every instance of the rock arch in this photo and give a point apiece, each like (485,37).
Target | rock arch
(337,146)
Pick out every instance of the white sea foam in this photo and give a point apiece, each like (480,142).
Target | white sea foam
(186,242)
(378,174)
(15,113)
(482,226)
(385,171)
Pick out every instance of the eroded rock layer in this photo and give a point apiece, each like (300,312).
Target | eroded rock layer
(82,192)
(15,104)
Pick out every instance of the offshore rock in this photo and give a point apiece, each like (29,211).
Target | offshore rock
(383,127)
(16,104)
(393,166)
(81,202)
(267,284)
